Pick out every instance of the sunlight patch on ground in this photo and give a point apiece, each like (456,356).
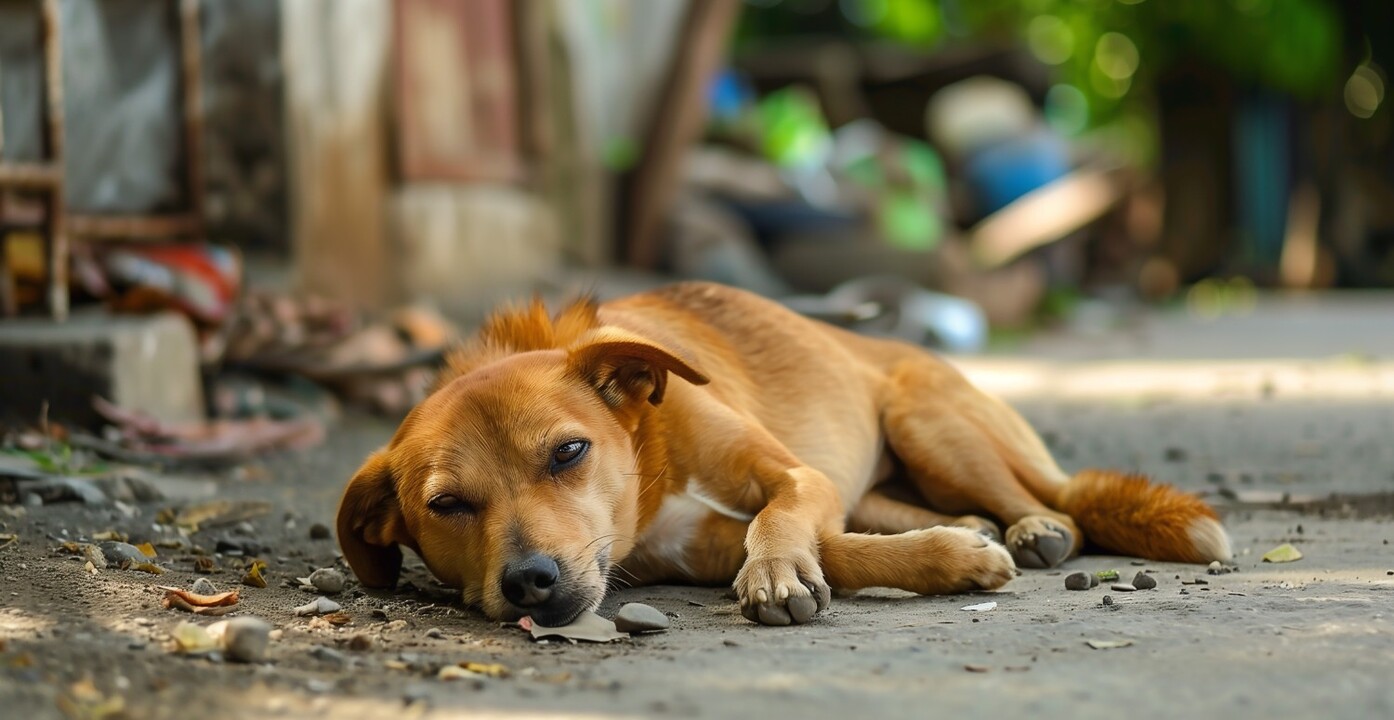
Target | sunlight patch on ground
(1186,380)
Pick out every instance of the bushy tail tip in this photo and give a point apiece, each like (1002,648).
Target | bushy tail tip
(1130,515)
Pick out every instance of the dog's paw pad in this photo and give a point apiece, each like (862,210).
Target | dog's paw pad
(1039,543)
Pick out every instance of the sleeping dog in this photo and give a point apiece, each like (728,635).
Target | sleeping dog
(701,434)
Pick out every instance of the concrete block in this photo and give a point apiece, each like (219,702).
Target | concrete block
(146,363)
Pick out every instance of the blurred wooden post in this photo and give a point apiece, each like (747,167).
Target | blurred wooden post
(680,113)
(335,55)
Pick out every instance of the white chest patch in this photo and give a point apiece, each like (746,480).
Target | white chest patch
(671,533)
(667,538)
(695,492)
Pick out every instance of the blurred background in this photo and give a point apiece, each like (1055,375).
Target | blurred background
(327,192)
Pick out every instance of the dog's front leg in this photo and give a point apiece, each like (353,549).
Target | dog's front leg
(782,581)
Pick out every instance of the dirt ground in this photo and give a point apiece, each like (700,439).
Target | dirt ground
(1309,638)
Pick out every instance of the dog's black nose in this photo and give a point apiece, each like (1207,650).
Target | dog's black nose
(528,582)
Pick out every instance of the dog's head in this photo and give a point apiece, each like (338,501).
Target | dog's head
(517,481)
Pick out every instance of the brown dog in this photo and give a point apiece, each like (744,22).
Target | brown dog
(785,455)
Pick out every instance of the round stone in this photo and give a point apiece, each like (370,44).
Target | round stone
(328,580)
(638,617)
(246,639)
(1078,581)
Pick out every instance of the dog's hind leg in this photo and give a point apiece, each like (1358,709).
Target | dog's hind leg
(928,415)
(880,513)
(933,561)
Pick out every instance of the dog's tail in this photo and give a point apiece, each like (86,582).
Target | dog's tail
(1122,513)
(1129,515)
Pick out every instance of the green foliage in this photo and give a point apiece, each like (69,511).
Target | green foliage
(1289,46)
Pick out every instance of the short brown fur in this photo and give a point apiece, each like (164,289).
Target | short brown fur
(729,440)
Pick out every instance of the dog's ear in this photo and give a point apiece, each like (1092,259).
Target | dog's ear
(370,524)
(625,367)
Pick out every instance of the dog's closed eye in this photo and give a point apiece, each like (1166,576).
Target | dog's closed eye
(446,504)
(568,454)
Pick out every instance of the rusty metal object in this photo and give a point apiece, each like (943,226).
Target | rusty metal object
(135,227)
(191,95)
(54,205)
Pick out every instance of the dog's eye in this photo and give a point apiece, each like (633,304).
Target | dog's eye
(449,505)
(567,454)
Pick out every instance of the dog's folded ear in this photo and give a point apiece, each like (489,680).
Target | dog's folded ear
(370,524)
(625,366)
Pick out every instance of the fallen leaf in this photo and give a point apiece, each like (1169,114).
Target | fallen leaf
(146,549)
(219,512)
(149,567)
(1106,575)
(980,607)
(6,539)
(1282,554)
(494,670)
(455,672)
(588,627)
(191,639)
(254,577)
(1108,644)
(225,598)
(84,701)
(110,535)
(204,564)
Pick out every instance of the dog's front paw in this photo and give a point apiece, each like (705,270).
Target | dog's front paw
(781,591)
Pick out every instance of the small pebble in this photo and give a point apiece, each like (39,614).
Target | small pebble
(1137,562)
(360,643)
(1217,568)
(319,531)
(246,639)
(1108,600)
(319,606)
(1175,454)
(1143,581)
(33,500)
(638,617)
(120,552)
(328,581)
(435,633)
(328,654)
(204,586)
(1078,581)
(244,528)
(1122,587)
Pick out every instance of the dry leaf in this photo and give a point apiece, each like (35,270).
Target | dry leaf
(219,512)
(110,535)
(149,567)
(146,549)
(253,577)
(204,564)
(191,639)
(1282,554)
(980,607)
(587,626)
(493,670)
(220,599)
